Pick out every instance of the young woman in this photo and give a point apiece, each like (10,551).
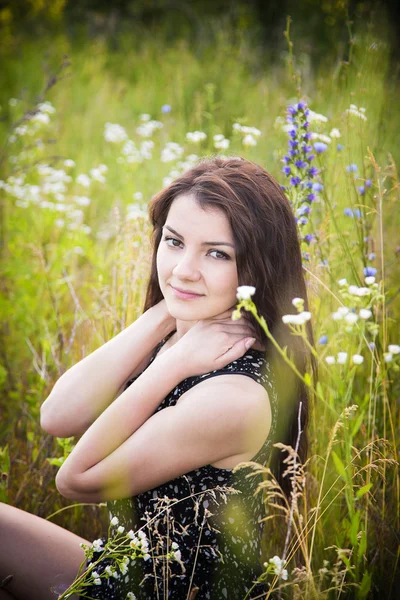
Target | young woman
(173,403)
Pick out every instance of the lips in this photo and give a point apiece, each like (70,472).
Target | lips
(185,291)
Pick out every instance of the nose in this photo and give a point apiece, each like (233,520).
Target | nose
(187,268)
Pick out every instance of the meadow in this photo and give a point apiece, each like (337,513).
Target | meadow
(87,140)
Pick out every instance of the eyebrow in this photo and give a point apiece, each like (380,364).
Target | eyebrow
(203,243)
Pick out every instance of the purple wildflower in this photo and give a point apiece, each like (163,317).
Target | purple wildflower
(352,168)
(361,190)
(339,147)
(357,213)
(311,197)
(301,164)
(166,108)
(317,187)
(323,340)
(313,171)
(309,238)
(348,212)
(370,271)
(372,256)
(368,183)
(287,170)
(320,147)
(295,181)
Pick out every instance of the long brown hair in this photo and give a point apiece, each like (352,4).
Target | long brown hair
(268,257)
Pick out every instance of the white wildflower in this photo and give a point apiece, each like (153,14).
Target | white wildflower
(351,318)
(331,360)
(147,128)
(244,292)
(357,359)
(146,556)
(220,141)
(335,133)
(177,555)
(145,117)
(174,546)
(138,196)
(320,136)
(365,313)
(97,581)
(278,567)
(69,162)
(142,535)
(387,356)
(356,111)
(370,280)
(114,133)
(313,116)
(171,151)
(95,574)
(82,200)
(114,521)
(342,358)
(46,107)
(131,596)
(249,140)
(342,282)
(394,348)
(196,136)
(298,303)
(98,545)
(298,319)
(121,529)
(84,180)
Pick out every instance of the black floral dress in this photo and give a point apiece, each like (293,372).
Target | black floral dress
(210,516)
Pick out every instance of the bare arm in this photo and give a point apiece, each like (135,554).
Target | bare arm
(129,450)
(90,386)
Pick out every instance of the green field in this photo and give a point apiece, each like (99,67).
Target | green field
(75,260)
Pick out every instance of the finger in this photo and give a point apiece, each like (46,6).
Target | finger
(238,349)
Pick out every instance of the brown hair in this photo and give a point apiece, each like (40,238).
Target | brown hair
(268,257)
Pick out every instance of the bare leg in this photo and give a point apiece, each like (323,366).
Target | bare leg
(38,553)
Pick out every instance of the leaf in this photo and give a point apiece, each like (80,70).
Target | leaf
(340,468)
(307,379)
(363,490)
(365,586)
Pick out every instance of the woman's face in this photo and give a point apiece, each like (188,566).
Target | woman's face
(186,259)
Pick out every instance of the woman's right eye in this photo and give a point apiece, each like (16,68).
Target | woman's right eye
(167,239)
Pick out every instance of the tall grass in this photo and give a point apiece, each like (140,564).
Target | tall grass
(67,288)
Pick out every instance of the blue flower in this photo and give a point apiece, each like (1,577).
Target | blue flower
(372,256)
(287,170)
(317,187)
(303,210)
(166,108)
(348,212)
(303,221)
(340,147)
(313,171)
(300,164)
(306,255)
(301,105)
(310,157)
(323,340)
(309,238)
(357,213)
(372,345)
(320,147)
(370,271)
(311,197)
(352,168)
(295,180)
(368,183)
(361,190)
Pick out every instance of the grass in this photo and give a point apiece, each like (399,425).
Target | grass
(65,291)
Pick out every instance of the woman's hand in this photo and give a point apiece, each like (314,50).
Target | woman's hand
(213,343)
